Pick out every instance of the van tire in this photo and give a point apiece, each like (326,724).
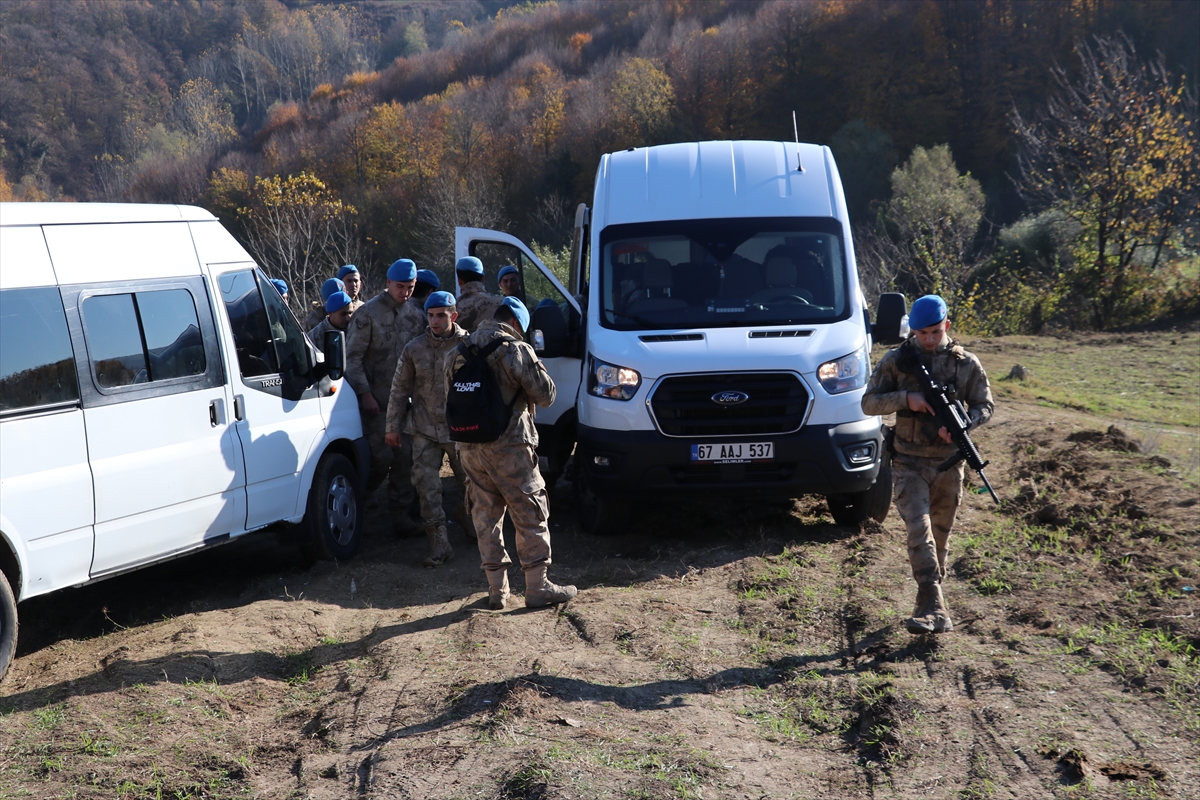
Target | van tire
(880,501)
(8,625)
(333,521)
(598,515)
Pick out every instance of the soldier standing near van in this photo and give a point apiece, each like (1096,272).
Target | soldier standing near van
(378,334)
(419,376)
(337,318)
(475,304)
(318,311)
(352,278)
(414,309)
(927,500)
(509,279)
(503,475)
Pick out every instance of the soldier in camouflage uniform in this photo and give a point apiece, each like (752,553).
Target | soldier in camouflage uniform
(352,279)
(475,305)
(378,334)
(318,312)
(420,376)
(926,499)
(414,309)
(503,475)
(337,318)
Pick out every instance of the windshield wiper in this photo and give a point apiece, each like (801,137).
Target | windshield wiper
(641,320)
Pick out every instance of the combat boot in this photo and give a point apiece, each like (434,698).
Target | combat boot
(440,551)
(497,588)
(922,620)
(540,592)
(941,614)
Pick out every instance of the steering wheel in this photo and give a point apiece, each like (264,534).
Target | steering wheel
(774,298)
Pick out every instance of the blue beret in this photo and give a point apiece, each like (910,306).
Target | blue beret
(508,270)
(519,309)
(330,286)
(469,264)
(402,270)
(440,300)
(926,311)
(336,302)
(430,277)
(346,270)
(280,285)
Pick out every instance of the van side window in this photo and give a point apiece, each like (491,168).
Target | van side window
(37,364)
(267,339)
(248,320)
(291,345)
(142,337)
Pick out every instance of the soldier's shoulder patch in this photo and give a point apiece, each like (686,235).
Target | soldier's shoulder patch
(361,322)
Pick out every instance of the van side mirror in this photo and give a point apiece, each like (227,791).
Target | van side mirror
(892,308)
(549,334)
(334,350)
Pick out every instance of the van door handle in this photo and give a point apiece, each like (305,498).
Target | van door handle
(216,412)
(239,407)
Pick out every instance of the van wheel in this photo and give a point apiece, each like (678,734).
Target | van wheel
(598,515)
(332,521)
(8,625)
(849,510)
(880,501)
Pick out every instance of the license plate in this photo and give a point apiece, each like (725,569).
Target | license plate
(734,452)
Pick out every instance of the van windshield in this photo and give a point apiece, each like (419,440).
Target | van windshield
(722,273)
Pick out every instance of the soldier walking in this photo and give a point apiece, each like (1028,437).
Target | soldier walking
(927,500)
(475,304)
(503,476)
(378,334)
(419,376)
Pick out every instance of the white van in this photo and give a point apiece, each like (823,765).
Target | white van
(714,339)
(156,398)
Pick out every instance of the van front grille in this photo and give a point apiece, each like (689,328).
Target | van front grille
(684,406)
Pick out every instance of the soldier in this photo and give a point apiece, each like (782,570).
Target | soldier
(927,500)
(350,276)
(377,336)
(281,287)
(337,318)
(414,309)
(318,311)
(509,278)
(503,475)
(474,303)
(419,377)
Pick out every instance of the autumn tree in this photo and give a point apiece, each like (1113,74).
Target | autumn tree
(299,230)
(924,239)
(1116,151)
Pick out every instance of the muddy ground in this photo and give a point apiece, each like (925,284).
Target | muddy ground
(716,650)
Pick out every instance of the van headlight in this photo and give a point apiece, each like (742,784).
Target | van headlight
(846,373)
(611,381)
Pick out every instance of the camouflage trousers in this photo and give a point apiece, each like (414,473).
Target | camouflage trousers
(427,476)
(391,464)
(506,478)
(927,501)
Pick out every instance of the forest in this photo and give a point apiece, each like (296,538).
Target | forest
(1033,161)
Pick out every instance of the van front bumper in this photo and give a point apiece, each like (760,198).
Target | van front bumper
(814,460)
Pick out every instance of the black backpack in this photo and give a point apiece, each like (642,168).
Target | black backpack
(475,408)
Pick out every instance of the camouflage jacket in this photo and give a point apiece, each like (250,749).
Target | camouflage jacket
(377,335)
(317,334)
(518,369)
(475,306)
(315,315)
(421,376)
(951,366)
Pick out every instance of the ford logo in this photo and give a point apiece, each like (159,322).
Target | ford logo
(730,398)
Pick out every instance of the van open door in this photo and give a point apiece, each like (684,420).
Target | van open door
(556,332)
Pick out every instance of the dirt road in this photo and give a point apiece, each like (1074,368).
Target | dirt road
(732,650)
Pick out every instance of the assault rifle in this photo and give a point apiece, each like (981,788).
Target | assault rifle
(954,417)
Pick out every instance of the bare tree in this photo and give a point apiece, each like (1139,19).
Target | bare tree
(449,202)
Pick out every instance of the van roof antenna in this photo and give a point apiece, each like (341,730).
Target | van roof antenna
(796,133)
